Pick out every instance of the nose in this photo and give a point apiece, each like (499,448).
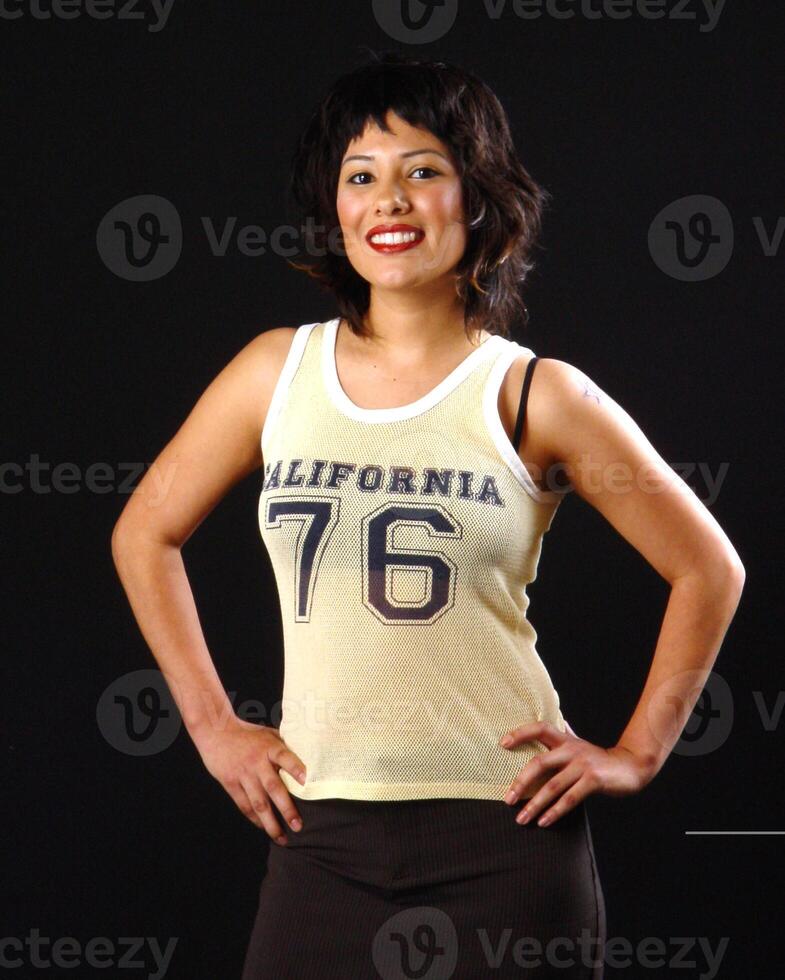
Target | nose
(391,199)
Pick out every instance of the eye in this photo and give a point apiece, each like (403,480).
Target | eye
(364,173)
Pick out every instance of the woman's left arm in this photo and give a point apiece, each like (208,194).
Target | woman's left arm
(611,464)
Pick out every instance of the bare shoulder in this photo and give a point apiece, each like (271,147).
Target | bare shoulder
(572,417)
(614,467)
(269,349)
(563,405)
(572,413)
(576,427)
(563,380)
(249,379)
(552,382)
(216,446)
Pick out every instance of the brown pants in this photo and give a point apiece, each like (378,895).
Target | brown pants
(443,888)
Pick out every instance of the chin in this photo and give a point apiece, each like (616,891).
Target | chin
(402,278)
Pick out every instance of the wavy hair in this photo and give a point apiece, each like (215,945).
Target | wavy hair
(502,203)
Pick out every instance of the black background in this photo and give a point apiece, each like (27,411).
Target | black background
(616,119)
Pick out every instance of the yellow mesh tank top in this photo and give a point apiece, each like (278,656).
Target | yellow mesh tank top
(402,541)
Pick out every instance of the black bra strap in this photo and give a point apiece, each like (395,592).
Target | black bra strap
(516,440)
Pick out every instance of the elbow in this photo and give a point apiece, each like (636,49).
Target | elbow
(118,541)
(732,574)
(734,567)
(124,539)
(131,537)
(738,575)
(718,573)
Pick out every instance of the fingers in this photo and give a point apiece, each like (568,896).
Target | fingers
(537,730)
(284,758)
(244,805)
(560,795)
(536,771)
(281,757)
(271,784)
(557,780)
(535,774)
(262,813)
(263,786)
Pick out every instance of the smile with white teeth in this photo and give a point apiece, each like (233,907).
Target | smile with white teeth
(394,237)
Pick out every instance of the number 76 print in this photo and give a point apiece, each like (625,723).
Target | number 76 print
(318,518)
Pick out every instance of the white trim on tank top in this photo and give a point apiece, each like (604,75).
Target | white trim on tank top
(288,371)
(396,413)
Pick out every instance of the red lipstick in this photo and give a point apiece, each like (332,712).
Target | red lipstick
(413,234)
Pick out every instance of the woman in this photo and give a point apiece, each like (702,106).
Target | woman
(404,505)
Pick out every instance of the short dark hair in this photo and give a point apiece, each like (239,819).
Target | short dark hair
(502,203)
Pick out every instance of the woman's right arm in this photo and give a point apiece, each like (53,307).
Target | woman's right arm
(216,447)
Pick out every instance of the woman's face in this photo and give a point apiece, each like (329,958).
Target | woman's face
(406,182)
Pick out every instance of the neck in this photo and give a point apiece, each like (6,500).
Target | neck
(415,325)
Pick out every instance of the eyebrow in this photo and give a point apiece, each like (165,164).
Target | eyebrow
(409,153)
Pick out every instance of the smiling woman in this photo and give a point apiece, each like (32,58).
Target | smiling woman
(416,528)
(406,444)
